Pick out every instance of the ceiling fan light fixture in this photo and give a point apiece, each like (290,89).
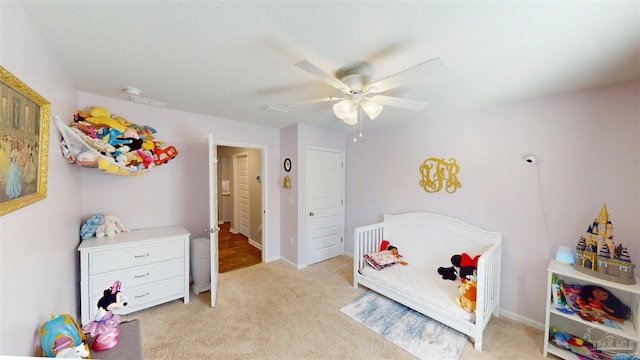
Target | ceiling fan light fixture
(372,109)
(342,109)
(351,118)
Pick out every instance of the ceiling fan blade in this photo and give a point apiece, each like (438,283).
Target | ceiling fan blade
(322,75)
(414,105)
(419,72)
(314,101)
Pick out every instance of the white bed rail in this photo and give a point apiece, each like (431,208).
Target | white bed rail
(367,239)
(488,292)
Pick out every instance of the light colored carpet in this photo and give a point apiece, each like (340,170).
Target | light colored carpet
(273,311)
(418,334)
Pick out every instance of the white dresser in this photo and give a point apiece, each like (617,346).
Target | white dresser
(152,265)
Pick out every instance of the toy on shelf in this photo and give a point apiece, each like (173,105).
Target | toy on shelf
(574,344)
(105,323)
(597,255)
(595,304)
(112,144)
(61,337)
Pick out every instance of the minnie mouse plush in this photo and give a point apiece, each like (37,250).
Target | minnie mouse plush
(105,323)
(464,262)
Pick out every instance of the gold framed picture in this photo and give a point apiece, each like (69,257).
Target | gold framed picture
(24,144)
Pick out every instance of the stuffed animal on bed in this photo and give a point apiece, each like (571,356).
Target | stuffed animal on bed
(387,256)
(468,292)
(466,264)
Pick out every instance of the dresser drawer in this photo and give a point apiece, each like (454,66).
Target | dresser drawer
(136,276)
(103,261)
(139,297)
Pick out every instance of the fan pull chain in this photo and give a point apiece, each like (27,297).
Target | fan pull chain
(355,139)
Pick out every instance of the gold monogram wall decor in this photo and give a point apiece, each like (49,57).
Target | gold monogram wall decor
(437,173)
(24,144)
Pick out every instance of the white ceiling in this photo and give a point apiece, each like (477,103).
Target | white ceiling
(229,59)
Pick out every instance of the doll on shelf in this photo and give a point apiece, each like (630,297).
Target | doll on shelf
(601,301)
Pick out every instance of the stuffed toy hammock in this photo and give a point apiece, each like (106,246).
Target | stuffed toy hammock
(112,144)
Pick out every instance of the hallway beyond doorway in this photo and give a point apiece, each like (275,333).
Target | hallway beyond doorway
(235,250)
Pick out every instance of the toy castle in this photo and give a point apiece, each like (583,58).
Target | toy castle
(598,256)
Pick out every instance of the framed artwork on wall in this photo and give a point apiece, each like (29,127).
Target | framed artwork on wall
(24,144)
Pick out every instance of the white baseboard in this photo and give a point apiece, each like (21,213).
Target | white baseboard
(522,319)
(256,244)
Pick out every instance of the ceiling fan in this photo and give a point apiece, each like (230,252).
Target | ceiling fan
(360,92)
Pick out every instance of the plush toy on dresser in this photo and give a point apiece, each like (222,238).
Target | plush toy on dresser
(99,225)
(111,226)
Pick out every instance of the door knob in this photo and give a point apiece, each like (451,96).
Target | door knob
(311,213)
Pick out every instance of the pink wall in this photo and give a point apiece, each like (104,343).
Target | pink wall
(587,146)
(289,197)
(38,257)
(177,193)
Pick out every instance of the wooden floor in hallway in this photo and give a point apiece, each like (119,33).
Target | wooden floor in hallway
(235,250)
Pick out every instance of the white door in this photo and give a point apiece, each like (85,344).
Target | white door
(325,204)
(243,195)
(213,217)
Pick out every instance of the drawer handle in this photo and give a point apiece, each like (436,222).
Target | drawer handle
(140,276)
(141,256)
(140,296)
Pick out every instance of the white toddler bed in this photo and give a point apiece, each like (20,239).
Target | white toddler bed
(427,241)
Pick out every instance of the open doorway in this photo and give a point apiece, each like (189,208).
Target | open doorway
(240,240)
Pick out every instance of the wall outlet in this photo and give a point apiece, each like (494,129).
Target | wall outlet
(291,241)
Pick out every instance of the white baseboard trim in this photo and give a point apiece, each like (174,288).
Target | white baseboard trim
(288,262)
(522,319)
(256,244)
(233,231)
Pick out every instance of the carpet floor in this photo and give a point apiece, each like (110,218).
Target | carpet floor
(273,311)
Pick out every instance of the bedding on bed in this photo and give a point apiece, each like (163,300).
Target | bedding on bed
(424,284)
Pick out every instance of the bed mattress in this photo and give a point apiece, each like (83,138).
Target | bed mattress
(424,284)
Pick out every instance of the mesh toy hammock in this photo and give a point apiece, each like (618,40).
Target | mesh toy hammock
(79,152)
